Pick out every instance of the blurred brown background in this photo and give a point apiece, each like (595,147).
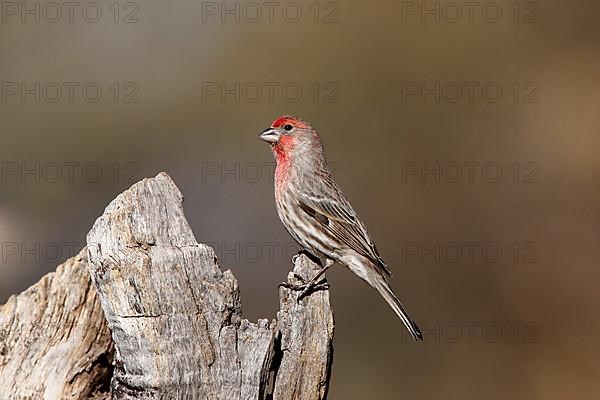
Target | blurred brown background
(521,324)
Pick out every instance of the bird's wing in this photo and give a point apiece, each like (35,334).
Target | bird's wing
(335,214)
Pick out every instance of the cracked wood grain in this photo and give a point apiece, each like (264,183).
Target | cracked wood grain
(54,340)
(176,318)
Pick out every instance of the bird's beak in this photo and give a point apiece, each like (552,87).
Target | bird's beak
(269,135)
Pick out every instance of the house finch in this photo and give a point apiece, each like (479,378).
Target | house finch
(317,215)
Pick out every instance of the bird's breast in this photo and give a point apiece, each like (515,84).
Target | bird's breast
(282,176)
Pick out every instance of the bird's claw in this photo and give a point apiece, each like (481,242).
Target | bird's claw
(314,288)
(304,288)
(295,286)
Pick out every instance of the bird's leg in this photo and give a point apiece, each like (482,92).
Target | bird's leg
(311,285)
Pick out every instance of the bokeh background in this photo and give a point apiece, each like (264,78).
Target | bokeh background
(522,324)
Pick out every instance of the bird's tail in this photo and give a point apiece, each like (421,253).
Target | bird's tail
(379,282)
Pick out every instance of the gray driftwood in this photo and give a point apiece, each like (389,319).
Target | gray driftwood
(176,317)
(54,340)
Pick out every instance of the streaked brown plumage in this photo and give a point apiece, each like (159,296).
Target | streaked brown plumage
(316,213)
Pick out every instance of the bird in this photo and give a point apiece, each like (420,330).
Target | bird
(317,214)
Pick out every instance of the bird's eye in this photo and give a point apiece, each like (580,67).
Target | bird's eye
(288,127)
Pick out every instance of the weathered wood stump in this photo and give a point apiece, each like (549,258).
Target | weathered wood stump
(175,319)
